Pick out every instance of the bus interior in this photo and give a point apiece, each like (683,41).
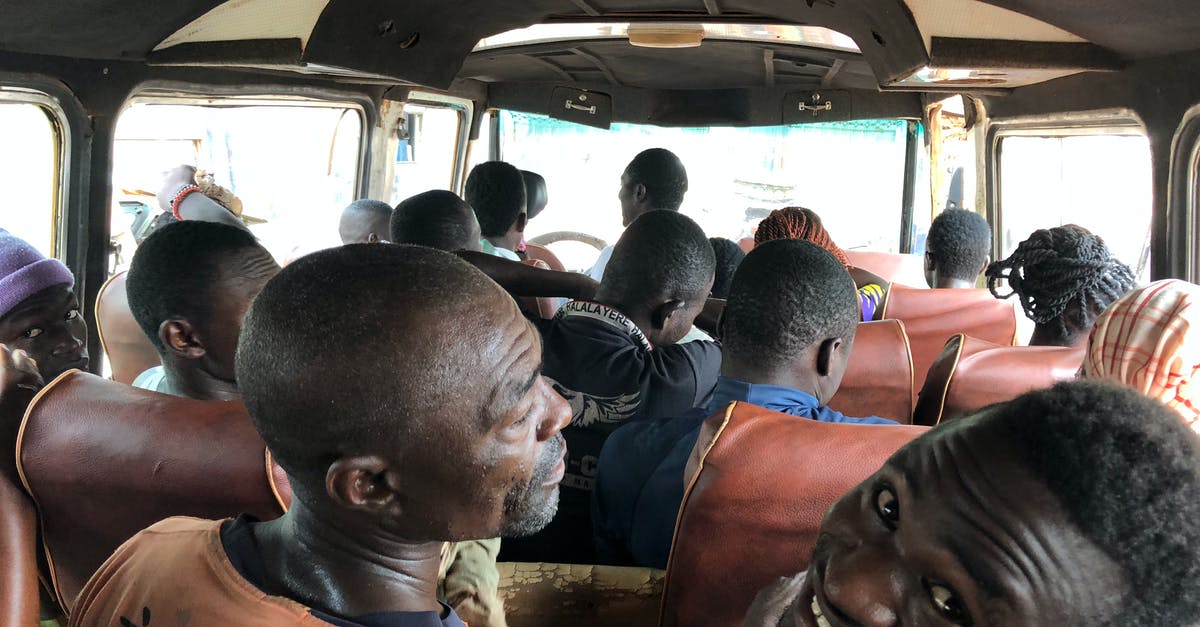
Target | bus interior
(877,114)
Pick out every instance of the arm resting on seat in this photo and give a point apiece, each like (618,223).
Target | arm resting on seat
(523,280)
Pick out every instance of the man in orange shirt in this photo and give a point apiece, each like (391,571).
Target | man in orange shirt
(398,429)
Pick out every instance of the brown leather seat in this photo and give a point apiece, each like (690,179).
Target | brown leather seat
(932,316)
(103,460)
(543,254)
(879,377)
(762,484)
(894,267)
(19,595)
(544,308)
(970,374)
(128,350)
(580,596)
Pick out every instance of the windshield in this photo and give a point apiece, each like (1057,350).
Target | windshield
(851,173)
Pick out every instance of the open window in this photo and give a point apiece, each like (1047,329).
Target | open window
(31,168)
(432,144)
(1097,176)
(293,163)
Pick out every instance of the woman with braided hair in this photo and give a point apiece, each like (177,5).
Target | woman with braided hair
(805,224)
(1063,277)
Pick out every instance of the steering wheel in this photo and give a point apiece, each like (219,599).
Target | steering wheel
(569,236)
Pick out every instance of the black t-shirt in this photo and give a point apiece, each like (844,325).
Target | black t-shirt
(610,374)
(242,548)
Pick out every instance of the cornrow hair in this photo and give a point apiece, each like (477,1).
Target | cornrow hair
(1056,268)
(797,223)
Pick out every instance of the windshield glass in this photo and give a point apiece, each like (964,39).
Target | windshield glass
(851,173)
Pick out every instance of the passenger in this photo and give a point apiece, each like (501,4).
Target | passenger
(655,179)
(39,313)
(1074,505)
(496,191)
(365,221)
(957,249)
(1063,277)
(438,219)
(189,286)
(728,255)
(805,224)
(1150,341)
(616,360)
(343,365)
(788,330)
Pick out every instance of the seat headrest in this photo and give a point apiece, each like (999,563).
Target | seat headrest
(103,460)
(970,374)
(879,376)
(128,350)
(536,195)
(906,269)
(761,482)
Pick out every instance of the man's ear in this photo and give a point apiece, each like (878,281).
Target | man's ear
(361,482)
(929,262)
(178,336)
(372,238)
(661,316)
(827,353)
(987,261)
(639,192)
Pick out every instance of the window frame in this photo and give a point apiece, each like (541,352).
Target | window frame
(465,109)
(1183,198)
(1121,122)
(57,117)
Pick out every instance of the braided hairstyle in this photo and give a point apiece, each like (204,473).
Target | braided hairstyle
(797,223)
(1063,276)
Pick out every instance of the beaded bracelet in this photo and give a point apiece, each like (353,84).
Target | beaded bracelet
(179,196)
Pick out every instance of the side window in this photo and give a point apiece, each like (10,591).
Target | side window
(428,149)
(1101,182)
(293,165)
(29,172)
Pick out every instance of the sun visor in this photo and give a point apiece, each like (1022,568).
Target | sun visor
(822,105)
(590,108)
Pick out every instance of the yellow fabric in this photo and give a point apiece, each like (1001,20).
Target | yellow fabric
(469,580)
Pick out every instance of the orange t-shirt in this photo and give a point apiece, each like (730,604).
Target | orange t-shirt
(177,572)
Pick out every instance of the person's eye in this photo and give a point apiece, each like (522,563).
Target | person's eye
(32,332)
(887,507)
(948,604)
(72,315)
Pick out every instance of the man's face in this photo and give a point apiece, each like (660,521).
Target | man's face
(50,327)
(241,279)
(630,205)
(951,532)
(499,456)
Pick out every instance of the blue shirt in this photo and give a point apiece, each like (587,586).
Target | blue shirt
(639,483)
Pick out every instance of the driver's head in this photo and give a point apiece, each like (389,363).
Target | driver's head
(655,179)
(663,265)
(39,312)
(364,222)
(400,389)
(1074,505)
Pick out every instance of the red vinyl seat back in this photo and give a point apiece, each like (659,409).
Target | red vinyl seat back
(932,316)
(970,374)
(545,255)
(879,375)
(544,307)
(762,483)
(102,461)
(127,349)
(894,267)
(20,594)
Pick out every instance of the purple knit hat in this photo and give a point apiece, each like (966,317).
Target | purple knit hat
(24,272)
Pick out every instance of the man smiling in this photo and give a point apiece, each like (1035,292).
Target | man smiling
(1075,505)
(398,433)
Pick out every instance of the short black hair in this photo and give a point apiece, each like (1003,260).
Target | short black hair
(663,175)
(496,191)
(366,205)
(662,253)
(787,295)
(370,315)
(728,255)
(1127,471)
(173,271)
(1063,276)
(959,243)
(436,218)
(362,214)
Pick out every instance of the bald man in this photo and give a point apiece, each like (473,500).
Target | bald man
(399,432)
(365,222)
